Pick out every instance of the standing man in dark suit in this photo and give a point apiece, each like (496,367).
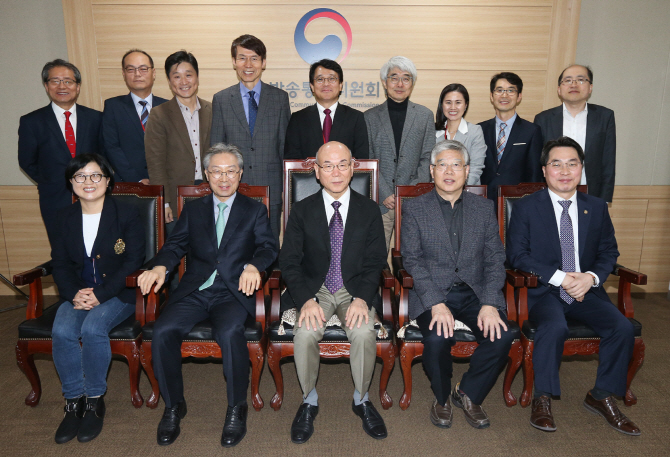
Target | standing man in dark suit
(229,241)
(401,135)
(592,126)
(331,260)
(51,136)
(463,281)
(513,145)
(566,238)
(327,120)
(125,117)
(254,116)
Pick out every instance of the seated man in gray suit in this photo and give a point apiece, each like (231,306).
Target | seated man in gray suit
(400,135)
(461,282)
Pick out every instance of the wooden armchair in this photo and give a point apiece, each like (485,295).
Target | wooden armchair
(200,342)
(582,340)
(409,336)
(125,338)
(300,182)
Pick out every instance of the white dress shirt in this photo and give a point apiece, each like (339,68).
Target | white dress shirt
(60,117)
(139,108)
(344,209)
(322,115)
(575,128)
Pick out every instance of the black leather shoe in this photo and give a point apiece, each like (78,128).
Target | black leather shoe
(235,426)
(69,426)
(91,423)
(168,427)
(303,424)
(373,424)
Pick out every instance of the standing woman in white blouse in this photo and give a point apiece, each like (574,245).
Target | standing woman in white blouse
(451,125)
(99,241)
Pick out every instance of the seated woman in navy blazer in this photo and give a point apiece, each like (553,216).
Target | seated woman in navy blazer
(99,241)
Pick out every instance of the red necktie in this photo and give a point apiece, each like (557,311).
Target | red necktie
(327,126)
(69,135)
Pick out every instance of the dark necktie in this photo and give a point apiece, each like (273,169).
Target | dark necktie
(145,114)
(327,126)
(253,111)
(500,144)
(567,246)
(69,135)
(336,228)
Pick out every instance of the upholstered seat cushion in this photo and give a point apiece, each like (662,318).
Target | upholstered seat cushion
(413,334)
(576,330)
(41,327)
(332,334)
(202,331)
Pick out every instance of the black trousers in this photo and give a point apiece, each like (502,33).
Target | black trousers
(485,363)
(228,317)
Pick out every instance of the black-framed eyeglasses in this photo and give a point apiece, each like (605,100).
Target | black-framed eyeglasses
(509,91)
(143,70)
(580,81)
(331,80)
(395,79)
(95,177)
(329,167)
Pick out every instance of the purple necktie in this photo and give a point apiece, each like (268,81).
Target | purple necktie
(567,238)
(334,277)
(327,126)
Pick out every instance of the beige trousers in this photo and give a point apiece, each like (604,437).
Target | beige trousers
(388,219)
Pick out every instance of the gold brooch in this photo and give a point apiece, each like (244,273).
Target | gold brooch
(120,246)
(586,212)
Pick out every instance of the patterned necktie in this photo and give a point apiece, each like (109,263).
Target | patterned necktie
(334,277)
(500,144)
(327,125)
(220,226)
(253,111)
(567,246)
(69,135)
(145,114)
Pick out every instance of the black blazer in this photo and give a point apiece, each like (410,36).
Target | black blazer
(123,137)
(304,259)
(600,147)
(520,161)
(119,223)
(304,135)
(246,239)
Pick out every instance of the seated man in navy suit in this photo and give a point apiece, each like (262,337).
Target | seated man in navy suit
(229,241)
(566,238)
(125,117)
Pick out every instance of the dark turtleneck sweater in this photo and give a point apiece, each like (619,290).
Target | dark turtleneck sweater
(397,114)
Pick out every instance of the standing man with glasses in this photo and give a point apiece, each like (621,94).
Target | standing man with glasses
(229,241)
(326,120)
(254,116)
(513,145)
(592,126)
(125,117)
(52,136)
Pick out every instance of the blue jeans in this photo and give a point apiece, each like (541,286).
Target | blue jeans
(83,368)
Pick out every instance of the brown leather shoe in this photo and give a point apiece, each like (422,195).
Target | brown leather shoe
(540,416)
(610,411)
(440,415)
(474,414)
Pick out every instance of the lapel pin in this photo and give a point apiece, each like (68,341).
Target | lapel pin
(120,246)
(586,212)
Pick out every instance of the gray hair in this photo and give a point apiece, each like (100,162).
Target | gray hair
(450,145)
(223,148)
(60,63)
(403,63)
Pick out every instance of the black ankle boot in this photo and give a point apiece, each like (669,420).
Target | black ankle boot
(69,426)
(91,423)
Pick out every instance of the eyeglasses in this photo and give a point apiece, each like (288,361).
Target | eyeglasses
(95,177)
(558,165)
(329,167)
(55,82)
(143,70)
(331,80)
(244,59)
(510,91)
(443,166)
(217,174)
(395,79)
(569,81)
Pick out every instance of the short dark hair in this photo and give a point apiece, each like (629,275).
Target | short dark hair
(562,142)
(328,65)
(180,57)
(123,59)
(588,71)
(440,118)
(60,63)
(248,42)
(80,161)
(512,78)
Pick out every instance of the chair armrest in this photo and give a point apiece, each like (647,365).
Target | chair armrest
(626,278)
(274,283)
(387,283)
(33,278)
(274,280)
(26,277)
(387,279)
(260,301)
(531,279)
(140,302)
(514,286)
(405,279)
(631,276)
(515,279)
(521,299)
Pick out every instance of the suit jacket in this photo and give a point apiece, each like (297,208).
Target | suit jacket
(600,147)
(124,138)
(118,221)
(264,153)
(474,142)
(521,158)
(247,239)
(411,165)
(304,259)
(44,155)
(428,256)
(533,243)
(304,135)
(169,154)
